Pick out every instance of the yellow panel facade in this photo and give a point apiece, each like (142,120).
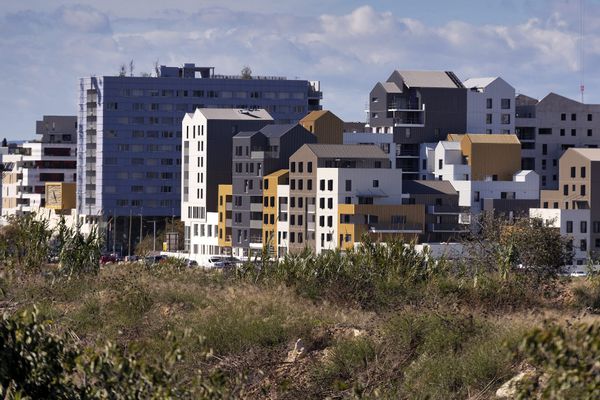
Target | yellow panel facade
(60,195)
(271,207)
(492,155)
(224,202)
(325,125)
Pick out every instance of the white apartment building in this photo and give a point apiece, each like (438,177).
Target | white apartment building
(283,226)
(207,162)
(381,186)
(573,224)
(490,105)
(485,172)
(26,171)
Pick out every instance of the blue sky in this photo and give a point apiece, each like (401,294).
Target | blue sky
(347,45)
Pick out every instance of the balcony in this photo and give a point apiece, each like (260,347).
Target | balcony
(405,105)
(395,228)
(446,209)
(261,155)
(283,207)
(451,228)
(227,206)
(310,226)
(256,207)
(256,224)
(409,122)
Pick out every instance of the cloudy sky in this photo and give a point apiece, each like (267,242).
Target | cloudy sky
(348,45)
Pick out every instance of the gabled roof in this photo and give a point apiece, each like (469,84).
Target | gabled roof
(245,134)
(590,154)
(479,82)
(232,114)
(277,130)
(346,151)
(450,145)
(432,79)
(391,87)
(314,115)
(428,187)
(495,138)
(277,174)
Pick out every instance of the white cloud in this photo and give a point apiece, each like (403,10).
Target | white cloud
(50,48)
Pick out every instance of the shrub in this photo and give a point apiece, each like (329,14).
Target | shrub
(25,242)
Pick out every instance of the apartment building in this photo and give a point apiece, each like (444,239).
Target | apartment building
(385,141)
(417,107)
(325,125)
(29,166)
(207,163)
(490,105)
(275,218)
(548,127)
(256,154)
(486,172)
(129,132)
(579,170)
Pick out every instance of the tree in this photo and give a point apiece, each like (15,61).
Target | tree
(4,143)
(122,70)
(246,72)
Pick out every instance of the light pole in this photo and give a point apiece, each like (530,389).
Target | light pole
(141,222)
(153,235)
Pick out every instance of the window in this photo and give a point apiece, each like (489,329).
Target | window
(583,245)
(573,170)
(562,132)
(566,190)
(505,104)
(440,163)
(476,196)
(322,184)
(300,167)
(300,184)
(544,149)
(506,119)
(292,184)
(348,200)
(330,203)
(266,184)
(309,167)
(569,226)
(589,117)
(330,185)
(573,117)
(348,185)
(292,166)
(573,132)
(544,131)
(375,183)
(582,190)
(322,203)
(583,226)
(563,117)
(309,184)
(488,104)
(545,204)
(322,221)
(583,172)
(488,118)
(589,132)
(330,221)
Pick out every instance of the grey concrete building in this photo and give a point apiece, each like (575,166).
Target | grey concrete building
(256,154)
(548,127)
(417,107)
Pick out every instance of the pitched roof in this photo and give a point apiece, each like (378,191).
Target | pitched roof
(314,115)
(391,87)
(495,138)
(590,154)
(428,187)
(434,79)
(346,150)
(450,145)
(277,173)
(479,82)
(277,130)
(233,114)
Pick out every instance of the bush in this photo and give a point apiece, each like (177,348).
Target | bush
(566,360)
(25,242)
(39,364)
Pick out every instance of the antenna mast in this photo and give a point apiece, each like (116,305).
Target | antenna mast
(581,50)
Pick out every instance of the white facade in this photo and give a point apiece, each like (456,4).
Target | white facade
(26,174)
(283,226)
(574,224)
(204,240)
(490,105)
(384,140)
(383,185)
(450,166)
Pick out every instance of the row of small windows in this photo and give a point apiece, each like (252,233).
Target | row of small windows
(144,203)
(504,119)
(144,161)
(562,131)
(136,148)
(563,117)
(212,94)
(504,103)
(140,134)
(309,166)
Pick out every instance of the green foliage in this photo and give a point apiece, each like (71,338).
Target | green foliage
(25,242)
(39,364)
(78,253)
(566,360)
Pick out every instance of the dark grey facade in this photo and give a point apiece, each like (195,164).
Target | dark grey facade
(256,154)
(547,128)
(57,129)
(129,131)
(417,107)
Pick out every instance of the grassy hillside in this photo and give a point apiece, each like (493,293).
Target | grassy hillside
(437,339)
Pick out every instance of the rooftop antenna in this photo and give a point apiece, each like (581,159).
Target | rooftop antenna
(581,50)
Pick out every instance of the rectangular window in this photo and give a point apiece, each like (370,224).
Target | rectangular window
(375,183)
(488,104)
(322,184)
(544,131)
(583,245)
(573,171)
(292,166)
(569,226)
(562,132)
(488,118)
(348,185)
(582,190)
(330,185)
(309,167)
(573,117)
(589,132)
(505,104)
(583,172)
(563,117)
(583,226)
(506,119)
(573,132)
(565,190)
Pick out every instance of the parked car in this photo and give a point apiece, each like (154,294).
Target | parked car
(578,274)
(216,262)
(191,263)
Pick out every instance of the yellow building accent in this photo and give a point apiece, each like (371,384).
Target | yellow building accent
(325,125)
(490,155)
(60,195)
(397,221)
(224,210)
(271,207)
